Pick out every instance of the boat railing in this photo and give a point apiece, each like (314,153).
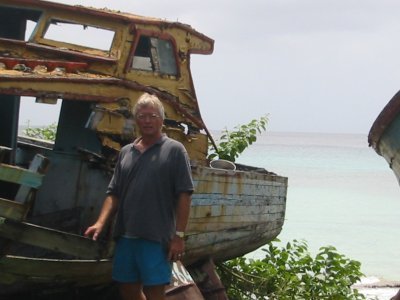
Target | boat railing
(13,214)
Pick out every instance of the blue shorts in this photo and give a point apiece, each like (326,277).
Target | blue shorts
(139,260)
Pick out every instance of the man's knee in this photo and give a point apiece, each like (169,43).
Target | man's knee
(131,291)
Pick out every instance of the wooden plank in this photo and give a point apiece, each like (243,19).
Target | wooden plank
(38,165)
(201,198)
(20,176)
(51,239)
(12,210)
(182,285)
(4,151)
(208,211)
(209,238)
(15,269)
(18,209)
(219,224)
(81,272)
(244,219)
(226,244)
(209,176)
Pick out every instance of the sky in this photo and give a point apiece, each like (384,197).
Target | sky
(311,65)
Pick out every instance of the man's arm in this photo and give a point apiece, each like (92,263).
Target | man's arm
(109,208)
(183,211)
(177,245)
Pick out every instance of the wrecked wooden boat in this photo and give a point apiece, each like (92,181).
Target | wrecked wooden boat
(384,135)
(51,192)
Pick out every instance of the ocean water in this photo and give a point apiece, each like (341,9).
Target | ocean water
(341,193)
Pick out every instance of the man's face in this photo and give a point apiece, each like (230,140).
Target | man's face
(149,121)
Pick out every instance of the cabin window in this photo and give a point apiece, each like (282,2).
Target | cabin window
(80,35)
(38,113)
(155,55)
(13,20)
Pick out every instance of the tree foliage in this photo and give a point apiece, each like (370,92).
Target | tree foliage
(234,142)
(292,273)
(47,133)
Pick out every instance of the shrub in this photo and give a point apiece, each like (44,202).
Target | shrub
(232,143)
(291,273)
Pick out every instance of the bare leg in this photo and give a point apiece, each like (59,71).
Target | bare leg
(155,292)
(131,291)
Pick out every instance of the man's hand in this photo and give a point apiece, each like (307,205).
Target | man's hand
(94,231)
(176,249)
(109,207)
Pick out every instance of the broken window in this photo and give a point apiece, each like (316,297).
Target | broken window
(155,55)
(37,113)
(15,21)
(30,26)
(80,35)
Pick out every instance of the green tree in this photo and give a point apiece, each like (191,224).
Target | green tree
(47,133)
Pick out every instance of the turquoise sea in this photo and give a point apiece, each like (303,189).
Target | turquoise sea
(341,193)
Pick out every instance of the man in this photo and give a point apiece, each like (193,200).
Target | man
(150,192)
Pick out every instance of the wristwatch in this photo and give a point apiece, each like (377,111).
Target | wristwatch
(180,234)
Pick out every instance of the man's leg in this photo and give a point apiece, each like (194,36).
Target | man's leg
(154,292)
(125,271)
(155,269)
(131,291)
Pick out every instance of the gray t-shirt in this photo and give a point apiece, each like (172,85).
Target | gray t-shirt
(148,185)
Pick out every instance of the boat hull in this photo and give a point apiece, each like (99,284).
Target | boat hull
(384,136)
(232,213)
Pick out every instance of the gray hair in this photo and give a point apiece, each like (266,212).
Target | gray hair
(149,100)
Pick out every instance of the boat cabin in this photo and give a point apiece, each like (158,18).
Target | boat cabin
(94,63)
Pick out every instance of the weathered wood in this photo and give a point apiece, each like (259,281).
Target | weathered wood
(230,243)
(19,208)
(219,224)
(38,165)
(182,286)
(4,151)
(232,211)
(51,239)
(208,281)
(21,176)
(85,272)
(201,198)
(12,210)
(384,135)
(48,271)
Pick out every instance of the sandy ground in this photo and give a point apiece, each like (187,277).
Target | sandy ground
(379,293)
(373,288)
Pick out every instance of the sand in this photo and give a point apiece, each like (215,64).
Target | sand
(373,288)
